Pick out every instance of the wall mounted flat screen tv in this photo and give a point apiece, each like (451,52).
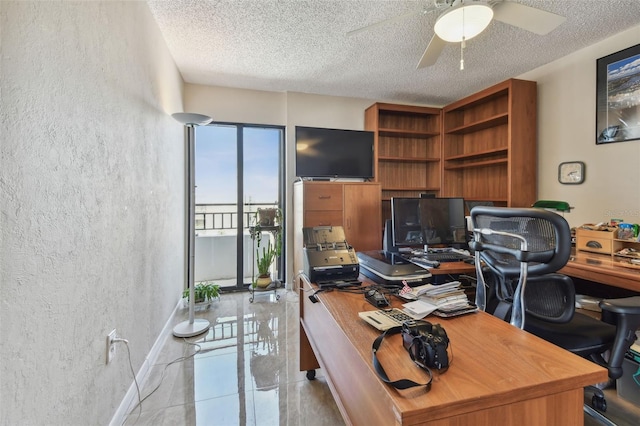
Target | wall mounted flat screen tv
(333,153)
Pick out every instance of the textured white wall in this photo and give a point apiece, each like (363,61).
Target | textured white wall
(567,132)
(92,204)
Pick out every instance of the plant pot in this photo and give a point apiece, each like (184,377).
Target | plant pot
(199,303)
(263,281)
(267,217)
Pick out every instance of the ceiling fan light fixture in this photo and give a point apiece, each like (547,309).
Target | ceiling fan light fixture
(463,21)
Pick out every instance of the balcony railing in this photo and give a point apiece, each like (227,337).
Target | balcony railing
(214,217)
(216,231)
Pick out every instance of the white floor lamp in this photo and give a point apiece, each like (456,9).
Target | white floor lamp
(193,326)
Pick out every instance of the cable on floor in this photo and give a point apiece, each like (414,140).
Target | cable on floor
(141,400)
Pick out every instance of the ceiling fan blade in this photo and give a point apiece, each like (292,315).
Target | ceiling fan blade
(388,21)
(432,52)
(528,18)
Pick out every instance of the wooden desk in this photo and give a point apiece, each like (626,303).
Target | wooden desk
(498,374)
(603,269)
(453,268)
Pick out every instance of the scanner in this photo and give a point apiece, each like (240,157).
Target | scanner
(327,255)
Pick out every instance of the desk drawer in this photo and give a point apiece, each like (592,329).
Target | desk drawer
(323,196)
(594,241)
(322,218)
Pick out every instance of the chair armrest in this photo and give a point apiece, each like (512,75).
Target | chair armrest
(627,315)
(627,305)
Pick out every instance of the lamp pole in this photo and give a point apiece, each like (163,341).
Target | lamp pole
(191,327)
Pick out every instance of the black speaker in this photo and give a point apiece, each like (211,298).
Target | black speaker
(387,241)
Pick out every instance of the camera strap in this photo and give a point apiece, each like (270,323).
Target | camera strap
(402,383)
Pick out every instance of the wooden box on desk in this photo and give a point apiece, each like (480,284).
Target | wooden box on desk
(595,241)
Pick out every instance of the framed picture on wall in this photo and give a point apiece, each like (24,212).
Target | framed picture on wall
(618,96)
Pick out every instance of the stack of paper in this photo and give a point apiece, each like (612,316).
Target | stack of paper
(430,290)
(443,300)
(448,301)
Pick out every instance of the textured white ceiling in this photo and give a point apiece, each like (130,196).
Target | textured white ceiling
(303,46)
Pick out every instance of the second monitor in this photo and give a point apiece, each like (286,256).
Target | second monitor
(437,222)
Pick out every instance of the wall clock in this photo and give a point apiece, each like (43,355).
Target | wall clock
(571,172)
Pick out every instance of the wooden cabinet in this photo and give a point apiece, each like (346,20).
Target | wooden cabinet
(407,150)
(353,205)
(489,145)
(625,252)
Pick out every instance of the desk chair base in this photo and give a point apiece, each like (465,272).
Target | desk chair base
(598,400)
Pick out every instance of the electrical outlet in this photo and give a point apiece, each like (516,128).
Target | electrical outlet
(111,346)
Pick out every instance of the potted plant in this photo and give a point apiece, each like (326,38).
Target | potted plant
(268,216)
(267,219)
(265,256)
(205,291)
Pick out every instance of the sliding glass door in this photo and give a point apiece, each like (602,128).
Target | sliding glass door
(239,169)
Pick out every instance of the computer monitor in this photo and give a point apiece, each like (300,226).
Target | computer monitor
(417,222)
(405,222)
(442,222)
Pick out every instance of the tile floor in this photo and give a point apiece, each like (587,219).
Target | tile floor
(245,372)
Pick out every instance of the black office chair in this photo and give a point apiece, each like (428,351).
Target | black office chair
(518,253)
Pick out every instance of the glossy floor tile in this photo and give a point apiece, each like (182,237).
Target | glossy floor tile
(245,371)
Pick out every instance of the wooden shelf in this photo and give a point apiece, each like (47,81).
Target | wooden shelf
(493,199)
(483,97)
(625,256)
(476,164)
(486,123)
(479,154)
(409,159)
(402,133)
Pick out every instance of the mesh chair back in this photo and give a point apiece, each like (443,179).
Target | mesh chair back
(520,244)
(547,235)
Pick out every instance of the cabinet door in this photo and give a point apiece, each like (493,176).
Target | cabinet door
(362,221)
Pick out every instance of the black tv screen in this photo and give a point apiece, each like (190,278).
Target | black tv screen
(333,153)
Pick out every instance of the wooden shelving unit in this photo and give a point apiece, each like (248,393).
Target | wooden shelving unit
(489,145)
(408,151)
(481,148)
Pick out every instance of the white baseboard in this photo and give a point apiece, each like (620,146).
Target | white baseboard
(131,396)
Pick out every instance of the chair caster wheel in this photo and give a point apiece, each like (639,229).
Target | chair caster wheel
(311,374)
(599,403)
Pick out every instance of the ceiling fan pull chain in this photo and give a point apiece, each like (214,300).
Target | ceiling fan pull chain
(462,46)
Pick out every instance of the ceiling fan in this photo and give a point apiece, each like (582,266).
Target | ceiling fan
(461,20)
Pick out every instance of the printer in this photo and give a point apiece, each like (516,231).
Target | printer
(327,255)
